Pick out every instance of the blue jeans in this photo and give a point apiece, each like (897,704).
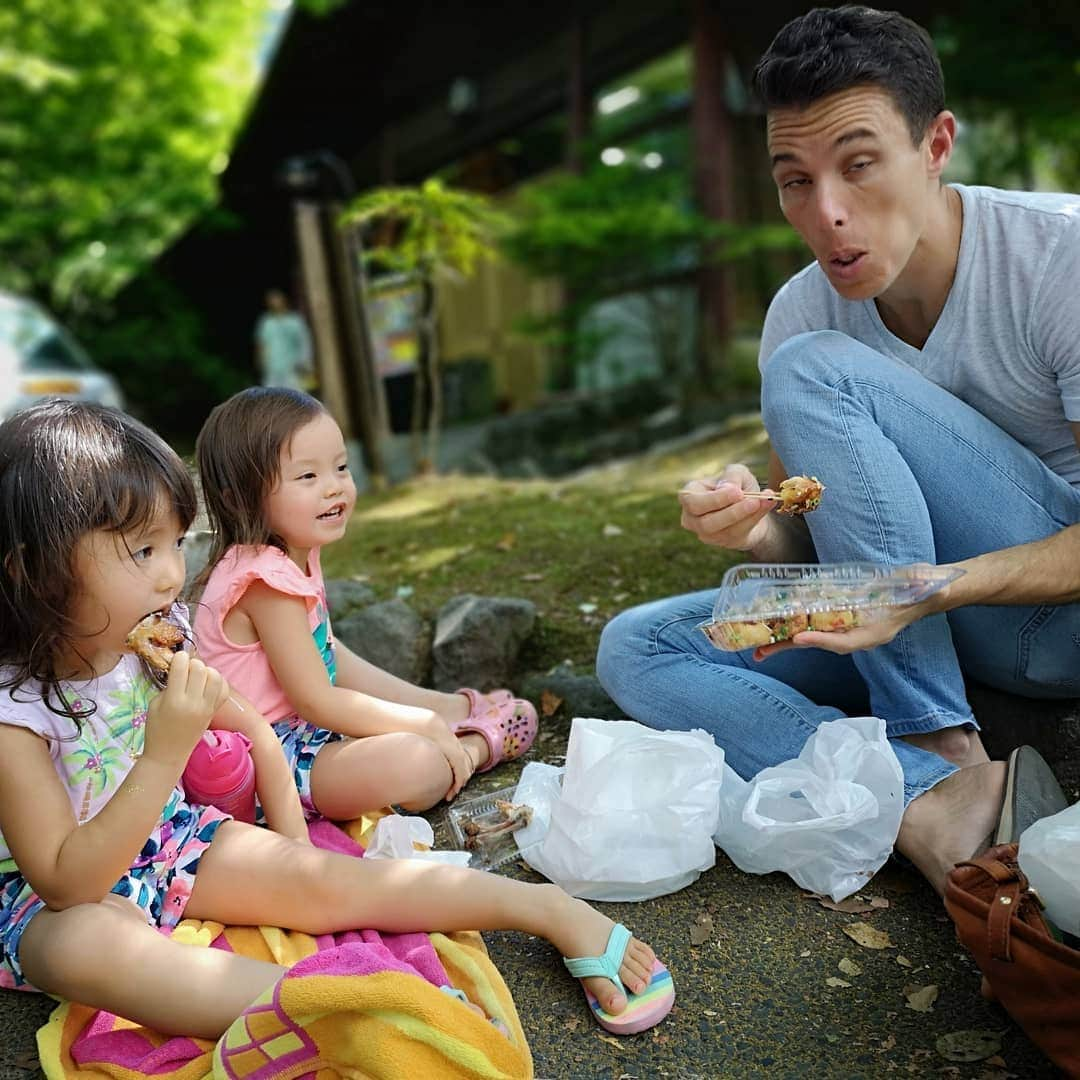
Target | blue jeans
(913,475)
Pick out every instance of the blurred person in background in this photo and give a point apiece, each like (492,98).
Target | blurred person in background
(283,345)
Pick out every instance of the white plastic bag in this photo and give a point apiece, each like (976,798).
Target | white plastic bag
(1050,856)
(393,839)
(633,816)
(828,818)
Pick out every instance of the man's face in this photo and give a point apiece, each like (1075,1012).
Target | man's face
(853,185)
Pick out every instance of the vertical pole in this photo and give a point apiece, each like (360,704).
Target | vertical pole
(318,293)
(711,133)
(578,105)
(366,385)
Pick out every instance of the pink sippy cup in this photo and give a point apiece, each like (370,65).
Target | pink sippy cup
(220,773)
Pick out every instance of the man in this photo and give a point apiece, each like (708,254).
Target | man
(283,345)
(926,367)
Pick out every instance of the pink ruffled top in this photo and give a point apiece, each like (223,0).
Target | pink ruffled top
(247,667)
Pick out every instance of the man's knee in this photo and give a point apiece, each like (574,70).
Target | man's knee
(619,651)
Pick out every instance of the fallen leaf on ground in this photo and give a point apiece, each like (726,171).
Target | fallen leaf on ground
(903,961)
(889,1043)
(921,998)
(612,530)
(879,902)
(506,542)
(532,577)
(974,1045)
(849,967)
(997,1062)
(852,905)
(586,609)
(572,1023)
(805,953)
(865,935)
(832,980)
(611,1041)
(549,703)
(702,929)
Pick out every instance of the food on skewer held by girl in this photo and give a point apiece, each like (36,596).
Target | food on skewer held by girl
(156,641)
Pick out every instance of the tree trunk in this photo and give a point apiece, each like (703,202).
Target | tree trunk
(434,366)
(420,397)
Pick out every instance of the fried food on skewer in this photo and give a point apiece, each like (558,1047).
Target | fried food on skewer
(800,494)
(156,641)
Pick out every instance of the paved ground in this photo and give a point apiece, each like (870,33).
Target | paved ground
(754,997)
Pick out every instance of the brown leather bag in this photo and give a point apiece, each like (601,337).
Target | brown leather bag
(1036,978)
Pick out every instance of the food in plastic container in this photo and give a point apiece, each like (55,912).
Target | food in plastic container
(486,826)
(762,603)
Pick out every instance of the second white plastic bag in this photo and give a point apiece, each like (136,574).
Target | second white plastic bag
(630,817)
(828,818)
(1050,856)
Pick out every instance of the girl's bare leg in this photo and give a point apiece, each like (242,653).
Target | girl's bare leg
(354,776)
(107,956)
(253,876)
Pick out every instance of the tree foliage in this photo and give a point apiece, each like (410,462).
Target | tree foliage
(426,231)
(114,119)
(1016,73)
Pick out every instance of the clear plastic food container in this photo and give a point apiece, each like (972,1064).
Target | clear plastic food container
(762,603)
(483,812)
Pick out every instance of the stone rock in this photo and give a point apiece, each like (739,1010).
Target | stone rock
(1051,726)
(391,636)
(582,695)
(477,640)
(344,597)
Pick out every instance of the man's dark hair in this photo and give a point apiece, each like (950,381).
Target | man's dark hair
(832,49)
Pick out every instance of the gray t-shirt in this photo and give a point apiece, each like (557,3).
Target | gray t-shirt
(1008,339)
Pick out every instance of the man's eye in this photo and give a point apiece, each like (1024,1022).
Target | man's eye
(858,166)
(797,182)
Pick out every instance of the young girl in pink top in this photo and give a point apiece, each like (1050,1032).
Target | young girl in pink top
(100,849)
(276,482)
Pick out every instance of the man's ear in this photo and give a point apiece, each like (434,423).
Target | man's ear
(939,142)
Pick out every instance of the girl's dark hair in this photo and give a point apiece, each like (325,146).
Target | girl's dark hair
(68,468)
(832,49)
(239,457)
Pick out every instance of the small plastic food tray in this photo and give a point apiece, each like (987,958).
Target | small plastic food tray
(482,810)
(762,603)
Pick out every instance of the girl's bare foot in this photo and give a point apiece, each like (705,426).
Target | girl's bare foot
(584,931)
(952,820)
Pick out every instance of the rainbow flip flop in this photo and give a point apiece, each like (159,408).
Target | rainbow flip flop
(643,1010)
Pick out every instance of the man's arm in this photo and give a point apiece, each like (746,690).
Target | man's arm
(1042,572)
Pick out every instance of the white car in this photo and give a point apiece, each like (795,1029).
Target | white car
(40,359)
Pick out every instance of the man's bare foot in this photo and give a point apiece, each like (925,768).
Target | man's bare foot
(952,820)
(584,931)
(959,745)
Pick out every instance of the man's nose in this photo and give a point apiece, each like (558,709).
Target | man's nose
(831,210)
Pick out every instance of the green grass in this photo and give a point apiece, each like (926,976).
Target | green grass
(545,540)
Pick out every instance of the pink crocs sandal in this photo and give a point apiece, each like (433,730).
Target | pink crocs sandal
(508,724)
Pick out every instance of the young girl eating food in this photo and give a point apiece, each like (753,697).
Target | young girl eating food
(99,847)
(276,483)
